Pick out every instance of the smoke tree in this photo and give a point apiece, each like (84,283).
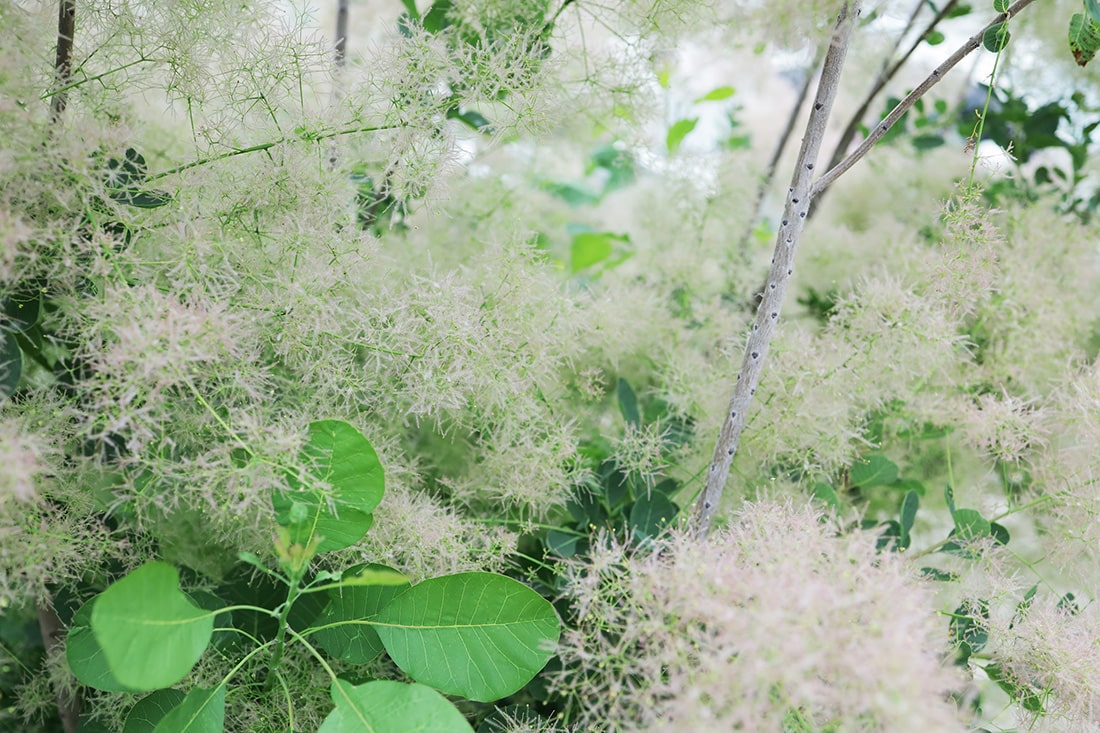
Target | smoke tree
(371,379)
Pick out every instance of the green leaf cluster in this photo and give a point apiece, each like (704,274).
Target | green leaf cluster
(480,636)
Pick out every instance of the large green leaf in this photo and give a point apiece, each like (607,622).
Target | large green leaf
(873,470)
(345,483)
(150,631)
(353,642)
(85,655)
(384,706)
(478,635)
(151,709)
(202,711)
(970,524)
(651,515)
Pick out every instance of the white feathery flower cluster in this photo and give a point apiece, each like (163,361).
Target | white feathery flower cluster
(1049,649)
(23,458)
(776,617)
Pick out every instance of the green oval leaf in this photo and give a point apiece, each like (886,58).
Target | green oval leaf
(716,95)
(996,37)
(970,524)
(873,470)
(826,493)
(927,142)
(472,119)
(384,706)
(1000,5)
(353,641)
(347,485)
(479,635)
(150,631)
(202,711)
(562,543)
(676,134)
(1084,38)
(21,310)
(1025,695)
(628,402)
(909,506)
(592,248)
(142,199)
(151,709)
(651,515)
(85,655)
(587,249)
(936,574)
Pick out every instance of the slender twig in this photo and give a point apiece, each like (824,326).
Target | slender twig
(340,60)
(767,315)
(49,624)
(53,631)
(73,84)
(560,10)
(904,105)
(886,74)
(63,63)
(777,153)
(341,32)
(312,137)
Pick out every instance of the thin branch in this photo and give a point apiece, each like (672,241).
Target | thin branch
(312,137)
(63,63)
(53,631)
(767,315)
(341,33)
(340,61)
(88,79)
(904,105)
(777,153)
(886,74)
